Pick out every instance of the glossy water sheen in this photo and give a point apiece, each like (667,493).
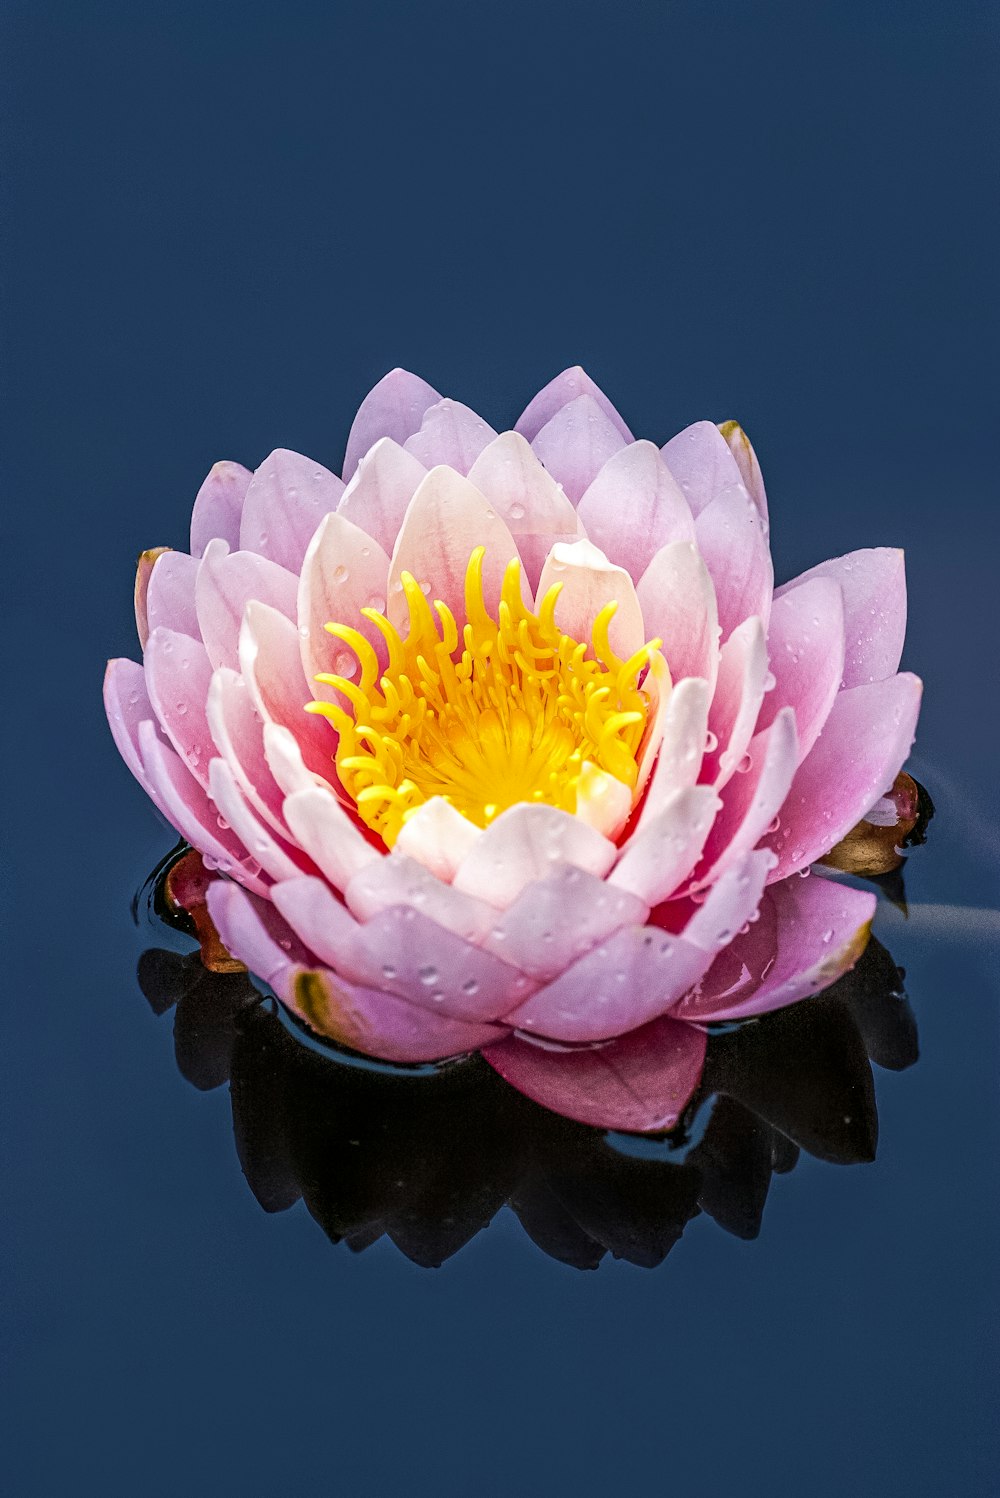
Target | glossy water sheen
(226,222)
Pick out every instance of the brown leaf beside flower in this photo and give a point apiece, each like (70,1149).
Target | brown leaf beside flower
(870,850)
(184,890)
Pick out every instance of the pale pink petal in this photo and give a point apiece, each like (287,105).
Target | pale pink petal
(730,903)
(127,704)
(253,931)
(701,461)
(528,500)
(874,588)
(746,461)
(667,845)
(805,641)
(285,762)
(810,931)
(683,727)
(863,746)
(226,582)
(393,408)
(402,951)
(438,836)
(218,507)
(143,571)
(178,674)
(588,583)
(657,689)
(736,702)
(450,433)
(170,594)
(557,920)
(602,801)
(344,571)
(752,799)
(445,522)
(238,733)
(576,443)
(322,827)
(400,880)
(196,818)
(634,506)
(560,392)
(276,857)
(375,500)
(522,845)
(678,605)
(272,669)
(284,504)
(732,538)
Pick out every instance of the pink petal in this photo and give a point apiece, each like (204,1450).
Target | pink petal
(438,836)
(403,952)
(375,500)
(701,461)
(559,919)
(668,844)
(732,539)
(170,594)
(344,571)
(272,669)
(640,1083)
(253,931)
(238,733)
(576,443)
(746,461)
(863,746)
(634,506)
(751,800)
(445,522)
(127,704)
(393,408)
(322,827)
(677,598)
(284,504)
(683,726)
(218,507)
(561,392)
(528,500)
(874,589)
(736,703)
(399,880)
(805,640)
(810,931)
(522,845)
(275,856)
(451,434)
(589,582)
(178,675)
(732,901)
(285,762)
(227,581)
(143,572)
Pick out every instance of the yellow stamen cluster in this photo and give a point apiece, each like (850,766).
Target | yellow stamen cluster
(509,710)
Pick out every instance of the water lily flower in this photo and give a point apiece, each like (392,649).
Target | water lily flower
(508,743)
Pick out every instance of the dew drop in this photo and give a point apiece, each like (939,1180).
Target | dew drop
(770,682)
(427,974)
(711,742)
(471,985)
(744,765)
(376,602)
(346,665)
(340,574)
(516,512)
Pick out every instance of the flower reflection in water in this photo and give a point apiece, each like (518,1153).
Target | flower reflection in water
(428,1156)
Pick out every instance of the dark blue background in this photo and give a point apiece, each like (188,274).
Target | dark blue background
(223,223)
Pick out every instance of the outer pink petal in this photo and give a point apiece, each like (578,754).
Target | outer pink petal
(445,522)
(178,675)
(746,461)
(322,827)
(276,857)
(522,845)
(805,640)
(398,880)
(170,594)
(731,902)
(344,571)
(810,931)
(127,704)
(272,669)
(683,726)
(252,930)
(589,582)
(667,845)
(701,461)
(862,748)
(576,443)
(566,387)
(732,538)
(385,481)
(529,501)
(639,1083)
(450,433)
(284,504)
(226,582)
(874,589)
(557,920)
(752,800)
(393,408)
(403,952)
(678,604)
(736,702)
(218,506)
(238,733)
(635,506)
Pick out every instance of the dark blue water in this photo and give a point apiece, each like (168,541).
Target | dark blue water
(223,223)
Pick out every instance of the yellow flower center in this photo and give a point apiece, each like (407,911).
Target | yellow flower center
(513,710)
